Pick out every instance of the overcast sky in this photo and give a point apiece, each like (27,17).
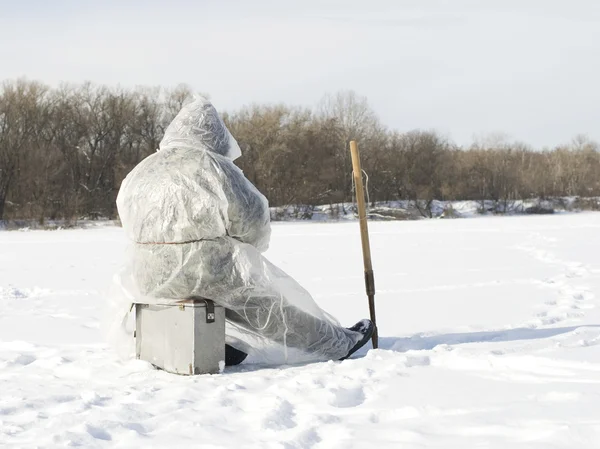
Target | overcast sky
(530,69)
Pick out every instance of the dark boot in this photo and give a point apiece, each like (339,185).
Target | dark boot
(364,327)
(234,356)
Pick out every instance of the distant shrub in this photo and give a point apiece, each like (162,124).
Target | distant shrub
(449,212)
(586,203)
(539,210)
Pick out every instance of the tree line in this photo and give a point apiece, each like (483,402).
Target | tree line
(65,150)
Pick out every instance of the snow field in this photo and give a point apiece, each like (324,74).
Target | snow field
(489,333)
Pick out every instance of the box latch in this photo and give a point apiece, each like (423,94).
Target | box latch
(210,311)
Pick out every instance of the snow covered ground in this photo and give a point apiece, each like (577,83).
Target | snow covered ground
(489,329)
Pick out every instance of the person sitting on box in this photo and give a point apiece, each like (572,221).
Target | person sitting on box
(199,228)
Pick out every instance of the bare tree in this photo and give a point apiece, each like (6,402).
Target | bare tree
(64,152)
(20,104)
(354,120)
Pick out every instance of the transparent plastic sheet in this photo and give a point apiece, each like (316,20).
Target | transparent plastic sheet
(198,228)
(269,315)
(198,125)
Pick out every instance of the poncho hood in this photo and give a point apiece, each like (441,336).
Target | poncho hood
(199,126)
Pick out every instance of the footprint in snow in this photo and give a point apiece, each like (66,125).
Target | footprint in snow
(98,433)
(24,359)
(347,397)
(281,417)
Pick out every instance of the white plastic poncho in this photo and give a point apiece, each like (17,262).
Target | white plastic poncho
(198,228)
